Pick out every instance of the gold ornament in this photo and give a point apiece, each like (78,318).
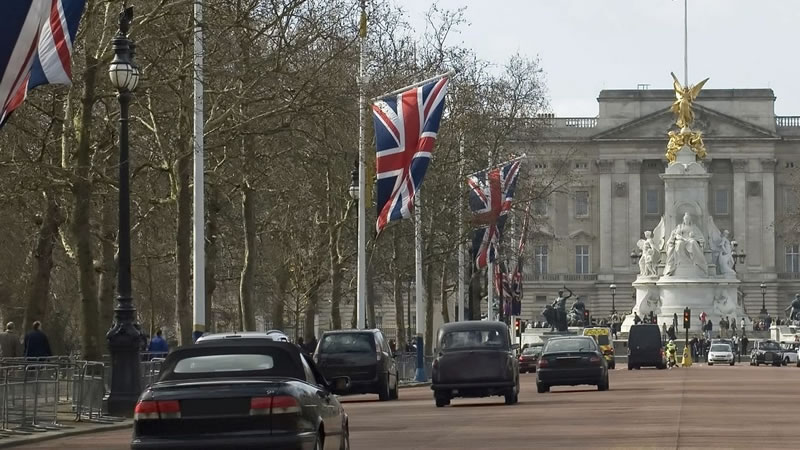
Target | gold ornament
(684,97)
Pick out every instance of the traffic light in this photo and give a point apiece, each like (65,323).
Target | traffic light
(687,317)
(518,327)
(586,317)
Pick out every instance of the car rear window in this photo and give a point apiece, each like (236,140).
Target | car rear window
(645,335)
(472,339)
(236,362)
(532,351)
(224,363)
(347,343)
(570,345)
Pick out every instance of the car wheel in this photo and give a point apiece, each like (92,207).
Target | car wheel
(731,363)
(345,444)
(603,385)
(798,363)
(396,391)
(710,364)
(630,367)
(542,388)
(441,401)
(786,362)
(613,365)
(509,398)
(318,442)
(384,393)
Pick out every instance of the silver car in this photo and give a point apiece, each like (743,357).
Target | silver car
(720,354)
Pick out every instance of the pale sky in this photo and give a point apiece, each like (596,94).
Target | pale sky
(588,45)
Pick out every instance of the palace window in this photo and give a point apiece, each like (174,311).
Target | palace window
(793,258)
(721,203)
(540,258)
(581,259)
(651,202)
(581,203)
(540,207)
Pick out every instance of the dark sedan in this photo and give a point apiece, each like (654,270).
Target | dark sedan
(475,359)
(529,358)
(240,394)
(570,361)
(766,352)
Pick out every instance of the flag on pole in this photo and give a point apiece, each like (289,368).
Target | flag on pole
(406,126)
(515,283)
(36,39)
(490,200)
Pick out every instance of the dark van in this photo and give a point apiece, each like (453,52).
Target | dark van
(362,355)
(645,347)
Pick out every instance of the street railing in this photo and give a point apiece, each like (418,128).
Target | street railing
(407,366)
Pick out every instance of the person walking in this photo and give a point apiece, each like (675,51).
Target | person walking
(10,345)
(743,325)
(36,343)
(158,347)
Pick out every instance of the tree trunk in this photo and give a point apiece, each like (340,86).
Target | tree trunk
(246,311)
(183,246)
(397,293)
(39,284)
(428,308)
(212,230)
(82,215)
(443,294)
(107,268)
(311,312)
(278,301)
(475,290)
(371,323)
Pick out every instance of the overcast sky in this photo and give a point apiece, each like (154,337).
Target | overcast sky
(589,45)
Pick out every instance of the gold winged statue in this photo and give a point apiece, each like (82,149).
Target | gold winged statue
(685,96)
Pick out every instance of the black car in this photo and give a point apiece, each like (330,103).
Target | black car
(645,348)
(475,359)
(529,358)
(362,355)
(766,352)
(570,361)
(236,394)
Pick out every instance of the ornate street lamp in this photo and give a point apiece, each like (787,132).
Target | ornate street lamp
(354,183)
(124,337)
(635,257)
(763,312)
(613,288)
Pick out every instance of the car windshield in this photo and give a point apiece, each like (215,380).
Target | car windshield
(348,343)
(532,351)
(720,348)
(569,345)
(473,338)
(769,346)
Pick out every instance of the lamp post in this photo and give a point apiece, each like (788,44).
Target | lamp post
(124,337)
(635,257)
(763,312)
(613,288)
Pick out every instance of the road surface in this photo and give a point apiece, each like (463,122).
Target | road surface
(720,406)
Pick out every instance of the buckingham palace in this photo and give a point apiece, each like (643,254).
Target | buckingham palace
(586,237)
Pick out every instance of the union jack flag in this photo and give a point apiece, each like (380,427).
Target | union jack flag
(490,201)
(405,132)
(36,39)
(515,282)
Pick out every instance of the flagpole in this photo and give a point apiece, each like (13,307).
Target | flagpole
(420,289)
(461,243)
(686,43)
(417,84)
(504,163)
(361,284)
(199,244)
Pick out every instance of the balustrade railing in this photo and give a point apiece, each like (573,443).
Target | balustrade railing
(787,121)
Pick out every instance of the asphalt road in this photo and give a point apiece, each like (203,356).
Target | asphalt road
(698,407)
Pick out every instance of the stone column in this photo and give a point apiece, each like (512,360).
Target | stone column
(605,200)
(634,204)
(740,207)
(768,220)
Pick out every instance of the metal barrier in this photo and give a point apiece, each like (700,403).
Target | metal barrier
(407,366)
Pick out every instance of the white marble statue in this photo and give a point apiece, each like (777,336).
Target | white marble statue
(724,260)
(685,248)
(651,302)
(648,263)
(724,306)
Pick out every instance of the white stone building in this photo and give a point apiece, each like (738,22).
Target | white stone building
(590,232)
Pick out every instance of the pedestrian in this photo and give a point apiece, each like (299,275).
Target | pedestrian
(710,328)
(768,322)
(312,345)
(664,332)
(10,345)
(743,324)
(703,317)
(36,343)
(744,345)
(158,347)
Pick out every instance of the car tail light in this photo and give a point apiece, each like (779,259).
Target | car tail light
(284,404)
(595,360)
(260,406)
(542,363)
(436,363)
(521,358)
(151,410)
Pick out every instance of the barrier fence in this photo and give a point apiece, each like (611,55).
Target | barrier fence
(407,366)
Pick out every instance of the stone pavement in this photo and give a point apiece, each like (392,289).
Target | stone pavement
(69,428)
